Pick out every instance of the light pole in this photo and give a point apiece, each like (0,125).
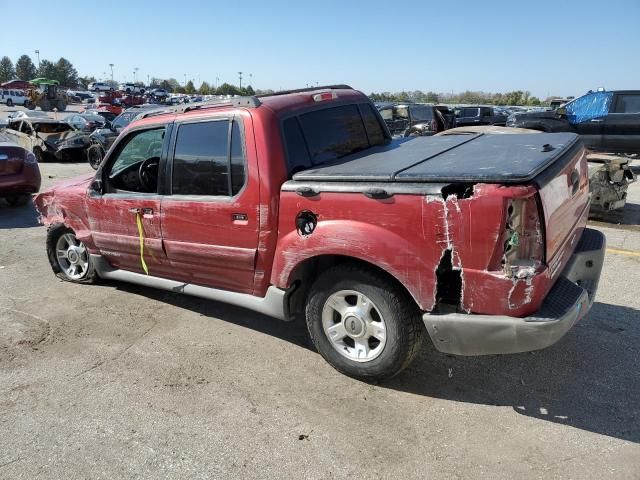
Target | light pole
(240,77)
(111,66)
(185,79)
(217,81)
(38,55)
(135,74)
(148,82)
(251,79)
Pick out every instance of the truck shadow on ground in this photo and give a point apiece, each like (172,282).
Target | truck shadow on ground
(589,380)
(629,215)
(18,217)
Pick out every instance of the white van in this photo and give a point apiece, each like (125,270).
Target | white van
(13,97)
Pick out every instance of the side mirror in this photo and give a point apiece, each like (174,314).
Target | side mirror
(561,111)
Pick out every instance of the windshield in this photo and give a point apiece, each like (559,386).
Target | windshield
(590,106)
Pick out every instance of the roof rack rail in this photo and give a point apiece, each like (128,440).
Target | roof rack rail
(309,89)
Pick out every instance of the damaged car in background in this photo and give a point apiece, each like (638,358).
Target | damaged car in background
(19,172)
(300,205)
(49,139)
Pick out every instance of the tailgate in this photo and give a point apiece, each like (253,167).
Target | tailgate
(11,160)
(564,193)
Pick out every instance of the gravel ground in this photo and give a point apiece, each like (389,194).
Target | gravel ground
(118,381)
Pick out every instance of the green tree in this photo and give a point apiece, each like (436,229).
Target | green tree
(47,69)
(84,82)
(205,89)
(226,89)
(66,74)
(249,90)
(7,72)
(25,69)
(189,88)
(166,85)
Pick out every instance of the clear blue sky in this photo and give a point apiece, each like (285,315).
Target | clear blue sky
(561,47)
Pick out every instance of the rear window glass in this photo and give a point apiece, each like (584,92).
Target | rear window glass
(324,135)
(628,104)
(470,112)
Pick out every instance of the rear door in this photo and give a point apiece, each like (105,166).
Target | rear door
(210,215)
(622,125)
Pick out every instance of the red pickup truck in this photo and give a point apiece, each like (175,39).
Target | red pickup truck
(300,204)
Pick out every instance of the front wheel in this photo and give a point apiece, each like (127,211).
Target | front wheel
(363,323)
(68,256)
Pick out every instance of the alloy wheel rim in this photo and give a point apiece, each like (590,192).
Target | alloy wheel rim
(72,256)
(354,325)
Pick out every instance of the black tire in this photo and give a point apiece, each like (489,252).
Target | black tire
(404,328)
(9,102)
(30,105)
(61,105)
(18,200)
(39,154)
(45,105)
(54,233)
(26,104)
(95,154)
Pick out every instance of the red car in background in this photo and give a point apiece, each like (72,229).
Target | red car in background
(19,173)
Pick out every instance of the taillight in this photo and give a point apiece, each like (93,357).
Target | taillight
(523,237)
(321,97)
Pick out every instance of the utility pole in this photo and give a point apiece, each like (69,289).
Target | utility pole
(111,66)
(217,81)
(240,77)
(38,55)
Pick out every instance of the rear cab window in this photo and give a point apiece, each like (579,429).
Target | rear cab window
(320,136)
(628,103)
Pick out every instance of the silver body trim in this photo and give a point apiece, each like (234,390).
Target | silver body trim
(272,304)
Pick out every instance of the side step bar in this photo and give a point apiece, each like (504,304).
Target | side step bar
(272,304)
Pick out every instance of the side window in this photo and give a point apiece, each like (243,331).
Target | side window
(628,104)
(387,114)
(139,147)
(200,162)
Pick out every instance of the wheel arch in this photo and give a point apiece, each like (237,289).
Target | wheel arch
(303,275)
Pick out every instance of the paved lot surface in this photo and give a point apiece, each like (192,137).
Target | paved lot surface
(118,381)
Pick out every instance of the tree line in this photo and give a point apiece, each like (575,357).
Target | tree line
(517,97)
(62,70)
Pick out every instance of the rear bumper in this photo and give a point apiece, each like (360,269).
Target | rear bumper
(567,302)
(27,181)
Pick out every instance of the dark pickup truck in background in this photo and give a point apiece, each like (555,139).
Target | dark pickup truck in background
(479,115)
(607,121)
(413,119)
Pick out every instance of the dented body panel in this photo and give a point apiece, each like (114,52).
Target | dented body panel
(491,240)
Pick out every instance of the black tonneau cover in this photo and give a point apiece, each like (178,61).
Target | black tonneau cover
(454,158)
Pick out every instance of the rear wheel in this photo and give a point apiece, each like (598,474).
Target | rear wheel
(68,256)
(61,105)
(9,102)
(45,105)
(363,323)
(18,200)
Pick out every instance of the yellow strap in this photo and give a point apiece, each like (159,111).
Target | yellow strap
(141,236)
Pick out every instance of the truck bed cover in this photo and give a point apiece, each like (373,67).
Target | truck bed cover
(505,159)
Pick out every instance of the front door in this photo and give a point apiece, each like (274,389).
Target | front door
(210,215)
(128,208)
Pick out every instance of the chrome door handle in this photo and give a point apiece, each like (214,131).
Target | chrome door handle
(596,120)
